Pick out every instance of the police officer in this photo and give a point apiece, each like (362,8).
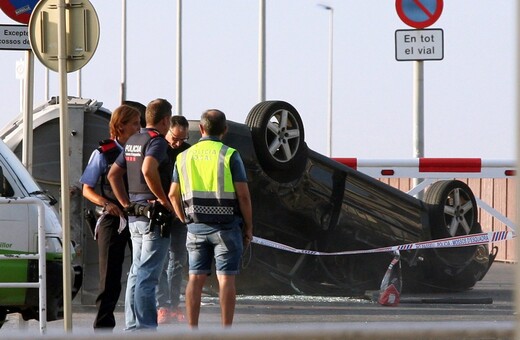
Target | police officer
(111,239)
(146,162)
(209,191)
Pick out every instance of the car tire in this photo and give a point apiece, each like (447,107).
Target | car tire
(453,209)
(454,213)
(278,138)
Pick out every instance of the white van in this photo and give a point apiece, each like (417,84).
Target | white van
(19,235)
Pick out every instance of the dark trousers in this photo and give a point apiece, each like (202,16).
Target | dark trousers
(111,248)
(169,288)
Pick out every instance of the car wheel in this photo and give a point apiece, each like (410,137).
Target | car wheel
(453,207)
(279,139)
(454,213)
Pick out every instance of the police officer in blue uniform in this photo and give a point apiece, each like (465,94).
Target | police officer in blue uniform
(111,238)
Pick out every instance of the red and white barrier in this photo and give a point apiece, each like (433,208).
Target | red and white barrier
(432,169)
(437,168)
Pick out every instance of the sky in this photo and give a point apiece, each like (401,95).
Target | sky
(469,96)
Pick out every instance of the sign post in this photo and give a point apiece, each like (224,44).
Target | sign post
(64,37)
(419,45)
(15,37)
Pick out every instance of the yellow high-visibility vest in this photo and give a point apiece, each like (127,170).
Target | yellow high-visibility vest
(206,182)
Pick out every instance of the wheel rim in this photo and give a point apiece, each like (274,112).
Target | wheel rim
(282,136)
(458,212)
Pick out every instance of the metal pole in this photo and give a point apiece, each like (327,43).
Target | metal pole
(22,76)
(78,83)
(26,108)
(517,245)
(47,84)
(179,57)
(64,160)
(418,115)
(123,51)
(261,52)
(331,72)
(27,146)
(42,265)
(331,45)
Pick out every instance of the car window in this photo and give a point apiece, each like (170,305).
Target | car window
(321,175)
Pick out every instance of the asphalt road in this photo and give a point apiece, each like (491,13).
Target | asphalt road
(486,309)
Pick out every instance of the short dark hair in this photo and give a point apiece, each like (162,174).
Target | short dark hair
(214,122)
(179,120)
(156,110)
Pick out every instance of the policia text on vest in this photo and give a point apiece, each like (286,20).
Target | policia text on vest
(206,200)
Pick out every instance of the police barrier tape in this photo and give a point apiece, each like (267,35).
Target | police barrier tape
(450,242)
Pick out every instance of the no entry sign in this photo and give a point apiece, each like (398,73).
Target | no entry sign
(18,10)
(419,13)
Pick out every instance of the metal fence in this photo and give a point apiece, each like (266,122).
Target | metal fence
(40,256)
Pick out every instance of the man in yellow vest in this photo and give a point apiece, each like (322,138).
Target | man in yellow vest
(209,192)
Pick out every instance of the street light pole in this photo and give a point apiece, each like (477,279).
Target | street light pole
(331,45)
(123,52)
(261,51)
(179,57)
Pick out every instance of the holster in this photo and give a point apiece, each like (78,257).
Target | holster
(91,220)
(161,218)
(139,209)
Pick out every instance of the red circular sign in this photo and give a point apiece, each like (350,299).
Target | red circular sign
(18,10)
(419,13)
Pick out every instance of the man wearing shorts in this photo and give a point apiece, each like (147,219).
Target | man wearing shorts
(209,192)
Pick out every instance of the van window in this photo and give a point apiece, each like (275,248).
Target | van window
(6,190)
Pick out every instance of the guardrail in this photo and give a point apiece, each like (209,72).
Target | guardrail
(40,256)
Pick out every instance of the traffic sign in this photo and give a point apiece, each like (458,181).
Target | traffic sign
(425,44)
(419,13)
(14,37)
(82,30)
(18,10)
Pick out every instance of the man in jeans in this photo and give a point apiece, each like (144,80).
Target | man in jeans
(170,281)
(148,168)
(209,191)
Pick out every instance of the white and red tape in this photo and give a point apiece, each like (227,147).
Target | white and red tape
(451,242)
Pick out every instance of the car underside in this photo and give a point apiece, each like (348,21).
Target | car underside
(308,201)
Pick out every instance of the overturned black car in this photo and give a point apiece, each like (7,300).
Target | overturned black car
(308,201)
